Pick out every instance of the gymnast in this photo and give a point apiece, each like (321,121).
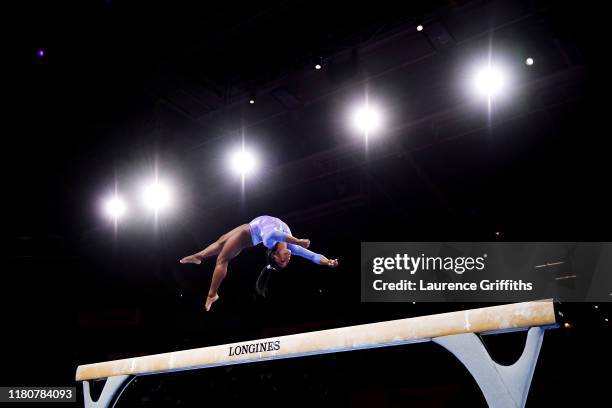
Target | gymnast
(274,234)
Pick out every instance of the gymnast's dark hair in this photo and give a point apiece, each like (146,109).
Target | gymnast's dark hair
(262,284)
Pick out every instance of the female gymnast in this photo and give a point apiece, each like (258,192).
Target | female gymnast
(273,233)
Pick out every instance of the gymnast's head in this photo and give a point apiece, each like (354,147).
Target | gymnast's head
(279,256)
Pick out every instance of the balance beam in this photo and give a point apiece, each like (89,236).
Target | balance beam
(503,386)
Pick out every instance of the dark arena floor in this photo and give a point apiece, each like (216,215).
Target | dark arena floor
(140,133)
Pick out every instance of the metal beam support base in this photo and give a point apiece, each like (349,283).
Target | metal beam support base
(502,386)
(111,392)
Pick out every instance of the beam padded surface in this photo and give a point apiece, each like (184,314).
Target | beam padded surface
(394,332)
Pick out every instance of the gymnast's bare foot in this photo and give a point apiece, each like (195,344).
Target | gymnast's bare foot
(210,301)
(194,259)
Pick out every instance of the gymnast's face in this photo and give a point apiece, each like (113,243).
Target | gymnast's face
(282,255)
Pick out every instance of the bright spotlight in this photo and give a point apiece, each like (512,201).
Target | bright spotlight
(243,162)
(419,27)
(157,196)
(529,61)
(252,101)
(367,119)
(489,81)
(318,66)
(115,207)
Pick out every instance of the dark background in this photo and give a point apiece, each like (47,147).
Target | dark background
(128,87)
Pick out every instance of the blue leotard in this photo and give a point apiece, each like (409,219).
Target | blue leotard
(269,230)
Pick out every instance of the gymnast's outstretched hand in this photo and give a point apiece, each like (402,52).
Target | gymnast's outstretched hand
(332,263)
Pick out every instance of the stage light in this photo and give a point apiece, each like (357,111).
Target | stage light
(489,81)
(367,119)
(157,196)
(115,207)
(41,53)
(419,27)
(319,63)
(243,162)
(251,101)
(529,61)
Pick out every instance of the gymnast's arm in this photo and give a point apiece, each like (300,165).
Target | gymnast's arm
(280,236)
(298,247)
(312,256)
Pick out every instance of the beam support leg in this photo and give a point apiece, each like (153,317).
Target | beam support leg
(502,386)
(113,387)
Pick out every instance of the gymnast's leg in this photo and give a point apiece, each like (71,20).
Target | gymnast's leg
(213,249)
(232,247)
